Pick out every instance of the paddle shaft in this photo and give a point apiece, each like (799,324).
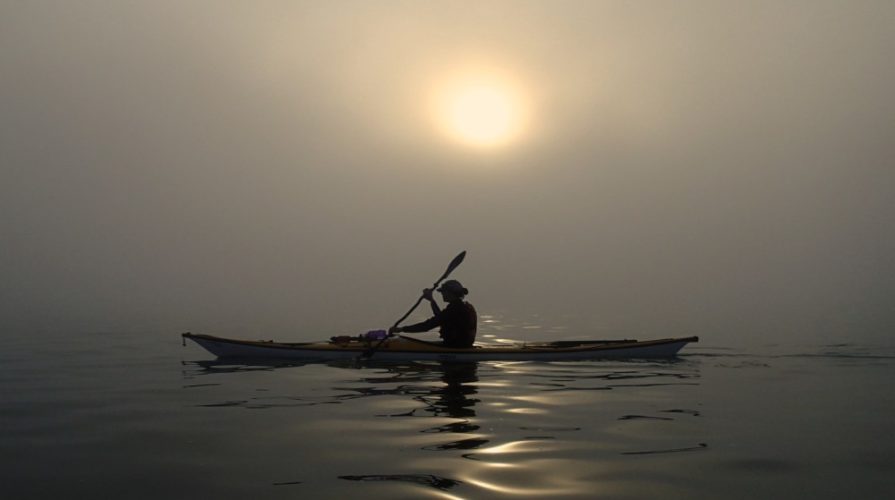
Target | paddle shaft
(453,265)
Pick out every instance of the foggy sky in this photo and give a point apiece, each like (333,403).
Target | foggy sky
(722,169)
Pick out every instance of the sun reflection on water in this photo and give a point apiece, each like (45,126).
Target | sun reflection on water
(521,446)
(525,481)
(528,411)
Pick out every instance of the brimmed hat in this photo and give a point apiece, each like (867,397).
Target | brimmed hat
(453,286)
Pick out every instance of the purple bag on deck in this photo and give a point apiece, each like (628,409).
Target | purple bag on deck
(376,335)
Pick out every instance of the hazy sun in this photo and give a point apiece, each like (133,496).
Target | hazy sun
(480,110)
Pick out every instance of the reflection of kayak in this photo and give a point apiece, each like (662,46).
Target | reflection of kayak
(407,348)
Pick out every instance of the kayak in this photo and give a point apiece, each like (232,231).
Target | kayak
(401,348)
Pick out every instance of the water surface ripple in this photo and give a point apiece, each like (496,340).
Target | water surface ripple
(489,429)
(90,419)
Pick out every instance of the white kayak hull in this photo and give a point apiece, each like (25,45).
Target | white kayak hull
(409,349)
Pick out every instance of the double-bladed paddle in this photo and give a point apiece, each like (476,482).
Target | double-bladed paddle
(450,268)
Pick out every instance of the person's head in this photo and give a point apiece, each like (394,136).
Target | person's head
(452,290)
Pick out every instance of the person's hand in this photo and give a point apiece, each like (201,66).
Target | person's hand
(427,294)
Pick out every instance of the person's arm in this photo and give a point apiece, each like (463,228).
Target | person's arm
(427,294)
(423,326)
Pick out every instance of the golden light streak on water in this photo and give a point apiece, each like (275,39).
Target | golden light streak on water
(528,411)
(493,384)
(516,490)
(511,447)
(446,496)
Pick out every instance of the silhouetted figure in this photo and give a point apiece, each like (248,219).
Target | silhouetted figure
(457,321)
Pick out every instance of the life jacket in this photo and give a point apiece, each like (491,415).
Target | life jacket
(458,324)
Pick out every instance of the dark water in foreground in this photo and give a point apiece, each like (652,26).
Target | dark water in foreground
(117,416)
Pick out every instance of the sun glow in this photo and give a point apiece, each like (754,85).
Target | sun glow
(480,110)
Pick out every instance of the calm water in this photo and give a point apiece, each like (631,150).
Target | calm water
(127,416)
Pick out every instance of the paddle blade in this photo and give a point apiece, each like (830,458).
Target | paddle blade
(453,265)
